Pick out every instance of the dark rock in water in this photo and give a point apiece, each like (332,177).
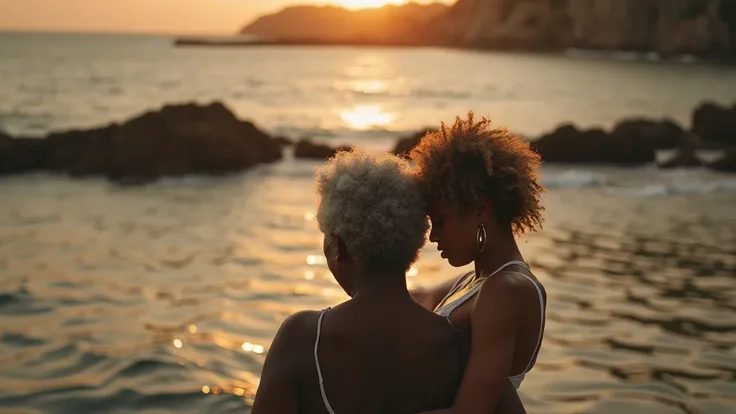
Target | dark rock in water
(19,155)
(406,144)
(308,149)
(654,134)
(567,144)
(176,140)
(726,163)
(684,155)
(715,124)
(631,142)
(283,141)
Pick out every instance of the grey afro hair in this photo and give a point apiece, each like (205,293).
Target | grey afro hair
(373,202)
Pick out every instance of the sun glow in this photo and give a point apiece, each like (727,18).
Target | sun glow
(366,4)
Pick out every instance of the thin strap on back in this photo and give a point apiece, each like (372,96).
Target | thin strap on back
(316,361)
(541,320)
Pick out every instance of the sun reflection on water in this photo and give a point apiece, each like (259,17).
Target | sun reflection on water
(249,347)
(363,117)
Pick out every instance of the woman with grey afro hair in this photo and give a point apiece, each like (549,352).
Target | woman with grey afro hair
(380,351)
(370,208)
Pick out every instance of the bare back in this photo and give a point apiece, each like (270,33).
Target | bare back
(399,358)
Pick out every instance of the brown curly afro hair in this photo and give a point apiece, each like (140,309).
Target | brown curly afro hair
(472,161)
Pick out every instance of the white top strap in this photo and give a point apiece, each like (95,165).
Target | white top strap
(443,309)
(316,361)
(453,289)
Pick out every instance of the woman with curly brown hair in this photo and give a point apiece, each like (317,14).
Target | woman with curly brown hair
(482,190)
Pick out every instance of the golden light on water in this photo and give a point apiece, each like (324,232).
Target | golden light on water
(309,275)
(308,216)
(314,259)
(205,389)
(178,343)
(367,86)
(366,116)
(249,347)
(192,329)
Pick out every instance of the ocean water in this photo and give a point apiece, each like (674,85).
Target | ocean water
(165,297)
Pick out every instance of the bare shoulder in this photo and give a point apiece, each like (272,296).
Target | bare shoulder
(299,327)
(509,288)
(294,339)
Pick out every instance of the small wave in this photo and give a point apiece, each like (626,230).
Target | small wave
(685,188)
(19,340)
(574,179)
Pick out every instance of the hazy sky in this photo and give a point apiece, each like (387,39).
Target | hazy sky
(147,16)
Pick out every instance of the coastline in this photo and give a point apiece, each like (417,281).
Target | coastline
(241,41)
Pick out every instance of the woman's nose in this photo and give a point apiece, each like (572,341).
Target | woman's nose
(433,236)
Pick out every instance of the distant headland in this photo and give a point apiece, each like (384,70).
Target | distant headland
(702,28)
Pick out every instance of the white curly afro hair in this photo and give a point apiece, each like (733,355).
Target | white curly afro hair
(373,202)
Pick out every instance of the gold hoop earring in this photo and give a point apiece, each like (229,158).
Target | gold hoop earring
(480,238)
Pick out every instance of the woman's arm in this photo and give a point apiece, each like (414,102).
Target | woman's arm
(430,297)
(279,389)
(494,326)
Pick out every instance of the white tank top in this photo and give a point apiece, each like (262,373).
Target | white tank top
(446,309)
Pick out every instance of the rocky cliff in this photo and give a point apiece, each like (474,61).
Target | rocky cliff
(667,26)
(405,23)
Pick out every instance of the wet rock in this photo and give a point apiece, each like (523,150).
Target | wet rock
(173,141)
(630,142)
(727,163)
(406,144)
(685,156)
(308,149)
(283,141)
(715,124)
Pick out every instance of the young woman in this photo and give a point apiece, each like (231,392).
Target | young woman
(378,352)
(482,190)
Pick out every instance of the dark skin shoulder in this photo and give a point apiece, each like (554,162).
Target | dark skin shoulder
(495,322)
(287,363)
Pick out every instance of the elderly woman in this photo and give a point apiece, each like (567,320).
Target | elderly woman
(378,352)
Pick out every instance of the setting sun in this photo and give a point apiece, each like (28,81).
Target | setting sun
(367,4)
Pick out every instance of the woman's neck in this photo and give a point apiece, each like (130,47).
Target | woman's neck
(500,249)
(381,286)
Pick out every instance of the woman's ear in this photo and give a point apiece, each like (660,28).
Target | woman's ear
(341,250)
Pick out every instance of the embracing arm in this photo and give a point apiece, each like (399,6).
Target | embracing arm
(430,297)
(485,387)
(279,389)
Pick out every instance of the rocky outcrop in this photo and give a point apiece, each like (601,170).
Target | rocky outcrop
(666,26)
(727,163)
(173,141)
(405,24)
(685,156)
(715,124)
(406,144)
(308,149)
(630,142)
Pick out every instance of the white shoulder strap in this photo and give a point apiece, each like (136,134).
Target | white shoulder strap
(453,289)
(316,361)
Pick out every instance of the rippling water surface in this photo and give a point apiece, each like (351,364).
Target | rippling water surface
(165,297)
(159,297)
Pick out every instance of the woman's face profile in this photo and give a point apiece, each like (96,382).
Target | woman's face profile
(454,232)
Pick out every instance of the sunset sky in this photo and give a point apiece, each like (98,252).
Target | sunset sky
(149,16)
